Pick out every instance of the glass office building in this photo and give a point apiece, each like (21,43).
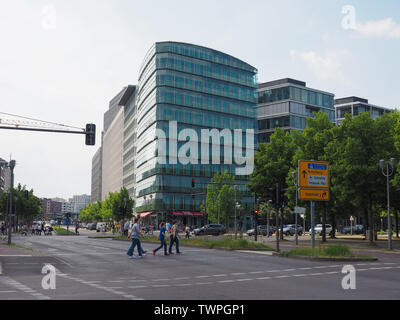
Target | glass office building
(355,106)
(199,88)
(286,103)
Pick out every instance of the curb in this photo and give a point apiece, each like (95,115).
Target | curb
(203,247)
(331,259)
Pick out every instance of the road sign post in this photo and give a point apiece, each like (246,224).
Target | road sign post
(313,186)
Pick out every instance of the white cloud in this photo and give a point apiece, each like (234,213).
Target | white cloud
(325,67)
(386,28)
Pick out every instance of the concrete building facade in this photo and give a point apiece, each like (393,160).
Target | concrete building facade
(97,164)
(354,106)
(286,103)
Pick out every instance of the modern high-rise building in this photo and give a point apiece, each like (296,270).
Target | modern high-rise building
(96,176)
(199,88)
(112,147)
(79,202)
(355,106)
(286,103)
(130,127)
(5,177)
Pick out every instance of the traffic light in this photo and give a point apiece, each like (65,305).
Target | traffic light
(281,197)
(256,209)
(90,134)
(193,183)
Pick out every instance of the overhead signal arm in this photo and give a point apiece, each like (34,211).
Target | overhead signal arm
(29,124)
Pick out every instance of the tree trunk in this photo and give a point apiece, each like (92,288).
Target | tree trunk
(281,224)
(370,223)
(333,234)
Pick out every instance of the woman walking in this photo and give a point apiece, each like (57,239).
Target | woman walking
(162,240)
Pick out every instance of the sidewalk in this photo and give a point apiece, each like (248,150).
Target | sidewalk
(7,251)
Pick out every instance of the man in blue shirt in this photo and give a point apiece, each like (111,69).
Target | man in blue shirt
(162,240)
(135,233)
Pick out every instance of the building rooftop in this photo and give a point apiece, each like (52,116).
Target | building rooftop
(350,100)
(281,81)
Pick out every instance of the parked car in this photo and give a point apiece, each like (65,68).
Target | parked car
(262,230)
(357,229)
(290,230)
(211,229)
(318,229)
(92,226)
(101,226)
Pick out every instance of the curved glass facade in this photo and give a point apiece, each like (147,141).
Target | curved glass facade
(199,88)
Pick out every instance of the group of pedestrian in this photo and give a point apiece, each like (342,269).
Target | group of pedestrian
(166,229)
(38,228)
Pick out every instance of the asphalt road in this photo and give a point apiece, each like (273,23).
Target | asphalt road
(100,269)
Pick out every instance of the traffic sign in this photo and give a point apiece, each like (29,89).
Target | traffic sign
(300,210)
(314,194)
(313,174)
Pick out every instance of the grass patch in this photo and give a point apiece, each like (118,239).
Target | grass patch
(63,232)
(331,251)
(230,244)
(14,245)
(211,243)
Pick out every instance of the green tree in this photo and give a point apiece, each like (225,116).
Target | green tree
(311,146)
(26,209)
(357,146)
(273,162)
(221,198)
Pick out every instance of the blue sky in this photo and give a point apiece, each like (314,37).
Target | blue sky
(63,61)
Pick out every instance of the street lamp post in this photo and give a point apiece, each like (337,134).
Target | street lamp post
(390,168)
(235,214)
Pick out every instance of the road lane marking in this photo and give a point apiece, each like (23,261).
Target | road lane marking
(94,285)
(11,282)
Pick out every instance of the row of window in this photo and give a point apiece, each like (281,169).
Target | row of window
(206,102)
(201,170)
(216,87)
(203,118)
(204,54)
(206,69)
(306,96)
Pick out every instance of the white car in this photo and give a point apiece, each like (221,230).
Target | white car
(318,229)
(101,226)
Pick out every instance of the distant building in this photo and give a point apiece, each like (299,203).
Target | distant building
(116,126)
(79,202)
(2,176)
(5,177)
(355,106)
(287,103)
(130,136)
(96,176)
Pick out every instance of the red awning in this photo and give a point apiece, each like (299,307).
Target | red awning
(187,213)
(197,214)
(145,214)
(177,213)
